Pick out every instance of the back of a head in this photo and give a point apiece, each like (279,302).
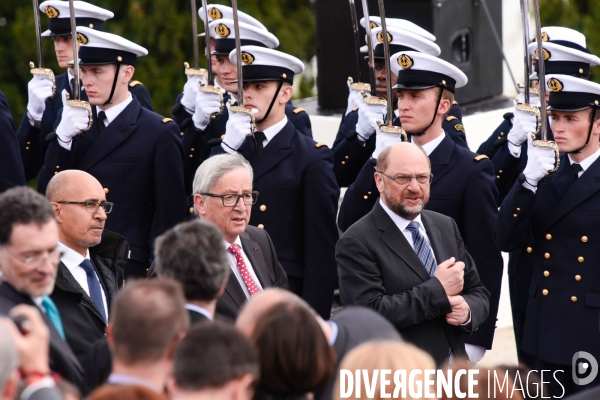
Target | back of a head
(148,318)
(212,355)
(295,357)
(193,254)
(125,392)
(379,355)
(22,205)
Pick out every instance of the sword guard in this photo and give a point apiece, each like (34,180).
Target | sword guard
(374,100)
(392,129)
(86,106)
(213,90)
(359,86)
(548,144)
(43,71)
(244,110)
(195,71)
(532,110)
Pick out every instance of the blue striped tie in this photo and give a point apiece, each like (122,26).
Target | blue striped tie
(422,248)
(94,286)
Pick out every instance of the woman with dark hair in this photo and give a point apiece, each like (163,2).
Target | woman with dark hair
(295,358)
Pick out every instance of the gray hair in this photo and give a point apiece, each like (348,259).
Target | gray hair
(211,170)
(194,254)
(8,355)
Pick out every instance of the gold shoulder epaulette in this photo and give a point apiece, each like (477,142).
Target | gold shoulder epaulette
(481,157)
(165,120)
(450,118)
(299,110)
(460,127)
(455,102)
(320,144)
(222,136)
(135,83)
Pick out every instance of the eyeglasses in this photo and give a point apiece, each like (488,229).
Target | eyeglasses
(405,179)
(92,206)
(231,199)
(36,260)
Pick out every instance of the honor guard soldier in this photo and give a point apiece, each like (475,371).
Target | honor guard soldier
(559,212)
(43,104)
(134,153)
(293,174)
(11,166)
(463,182)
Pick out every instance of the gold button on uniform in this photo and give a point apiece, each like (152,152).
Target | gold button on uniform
(515,215)
(584,239)
(545,292)
(547,255)
(580,259)
(191,210)
(343,162)
(365,197)
(546,274)
(529,249)
(574,299)
(263,208)
(347,157)
(261,226)
(548,237)
(106,190)
(369,192)
(577,278)
(181,134)
(518,209)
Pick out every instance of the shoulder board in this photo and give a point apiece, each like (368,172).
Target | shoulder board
(165,120)
(508,115)
(355,109)
(222,136)
(460,127)
(450,118)
(299,110)
(455,102)
(135,83)
(481,157)
(320,144)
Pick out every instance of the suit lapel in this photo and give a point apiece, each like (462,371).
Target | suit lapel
(274,153)
(563,178)
(440,159)
(579,191)
(396,241)
(112,136)
(257,259)
(67,282)
(235,291)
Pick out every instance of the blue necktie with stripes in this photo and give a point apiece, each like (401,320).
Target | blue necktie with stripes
(422,248)
(94,286)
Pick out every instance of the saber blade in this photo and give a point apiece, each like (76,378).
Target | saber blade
(366,15)
(76,88)
(388,72)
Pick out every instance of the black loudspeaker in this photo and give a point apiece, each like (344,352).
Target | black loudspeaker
(462,31)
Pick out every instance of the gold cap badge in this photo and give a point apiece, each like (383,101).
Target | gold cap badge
(555,85)
(546,53)
(405,61)
(51,12)
(214,13)
(247,58)
(222,30)
(380,37)
(373,25)
(81,38)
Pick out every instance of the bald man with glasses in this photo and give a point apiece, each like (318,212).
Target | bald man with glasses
(92,262)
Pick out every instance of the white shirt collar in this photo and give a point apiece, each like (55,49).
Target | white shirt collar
(198,309)
(71,258)
(70,76)
(429,147)
(115,110)
(585,164)
(236,241)
(401,222)
(274,130)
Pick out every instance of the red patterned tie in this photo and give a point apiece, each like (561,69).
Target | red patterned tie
(250,284)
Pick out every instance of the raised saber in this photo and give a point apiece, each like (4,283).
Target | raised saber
(40,70)
(195,35)
(527,59)
(356,36)
(207,42)
(371,62)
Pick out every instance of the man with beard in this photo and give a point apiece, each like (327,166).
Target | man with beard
(410,264)
(462,186)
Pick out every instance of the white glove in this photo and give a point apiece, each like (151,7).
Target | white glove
(368,115)
(190,90)
(39,88)
(239,125)
(540,160)
(355,99)
(534,99)
(206,105)
(524,124)
(74,120)
(383,141)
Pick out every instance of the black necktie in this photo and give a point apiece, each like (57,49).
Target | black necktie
(576,169)
(101,119)
(260,137)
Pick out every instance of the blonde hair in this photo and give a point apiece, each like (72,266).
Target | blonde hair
(385,354)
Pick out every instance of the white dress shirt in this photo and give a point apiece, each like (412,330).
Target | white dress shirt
(585,164)
(72,261)
(236,271)
(199,310)
(274,130)
(114,111)
(70,76)
(430,146)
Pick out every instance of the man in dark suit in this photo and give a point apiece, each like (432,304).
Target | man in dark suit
(29,257)
(43,104)
(410,265)
(193,254)
(294,175)
(91,269)
(560,214)
(134,153)
(223,195)
(10,161)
